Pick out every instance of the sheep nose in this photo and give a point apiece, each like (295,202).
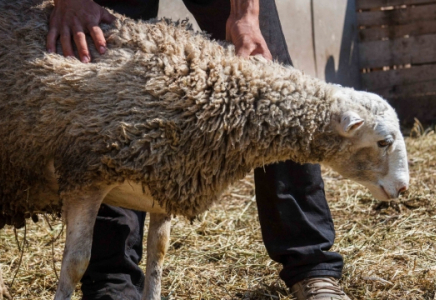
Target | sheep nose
(402,189)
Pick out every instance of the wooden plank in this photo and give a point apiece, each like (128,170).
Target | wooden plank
(393,32)
(390,79)
(335,40)
(422,108)
(413,50)
(418,89)
(296,22)
(370,4)
(397,16)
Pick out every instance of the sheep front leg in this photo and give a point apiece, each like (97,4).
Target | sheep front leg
(79,212)
(157,244)
(4,294)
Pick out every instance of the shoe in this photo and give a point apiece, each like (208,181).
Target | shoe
(318,288)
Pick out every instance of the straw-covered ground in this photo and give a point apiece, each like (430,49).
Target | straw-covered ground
(389,247)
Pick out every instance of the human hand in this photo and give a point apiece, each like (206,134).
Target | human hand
(245,34)
(73,18)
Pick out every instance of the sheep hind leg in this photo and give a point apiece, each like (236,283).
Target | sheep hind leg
(157,245)
(4,294)
(79,212)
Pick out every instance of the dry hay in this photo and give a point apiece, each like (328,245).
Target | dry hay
(388,247)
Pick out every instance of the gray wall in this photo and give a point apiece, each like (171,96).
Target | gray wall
(321,36)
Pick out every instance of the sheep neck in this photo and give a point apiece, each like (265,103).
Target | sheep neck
(271,113)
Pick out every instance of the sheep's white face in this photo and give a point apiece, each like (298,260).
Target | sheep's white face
(376,153)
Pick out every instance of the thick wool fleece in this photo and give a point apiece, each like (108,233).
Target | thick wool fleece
(164,107)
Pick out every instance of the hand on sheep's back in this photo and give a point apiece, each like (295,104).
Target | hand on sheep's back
(75,18)
(247,38)
(242,29)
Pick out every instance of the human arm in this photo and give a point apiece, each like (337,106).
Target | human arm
(74,18)
(242,29)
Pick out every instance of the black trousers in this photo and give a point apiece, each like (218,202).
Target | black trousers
(296,223)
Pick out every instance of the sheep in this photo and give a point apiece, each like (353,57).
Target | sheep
(163,123)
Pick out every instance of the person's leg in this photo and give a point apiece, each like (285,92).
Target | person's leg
(113,272)
(296,224)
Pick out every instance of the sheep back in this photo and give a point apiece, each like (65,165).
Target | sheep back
(154,109)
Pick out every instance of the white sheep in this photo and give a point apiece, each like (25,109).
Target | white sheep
(163,123)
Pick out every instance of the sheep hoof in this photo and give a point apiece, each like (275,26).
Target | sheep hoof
(4,294)
(18,221)
(35,218)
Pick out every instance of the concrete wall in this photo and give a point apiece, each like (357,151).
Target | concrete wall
(321,36)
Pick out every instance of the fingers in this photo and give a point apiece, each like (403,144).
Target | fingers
(252,48)
(268,55)
(65,39)
(80,41)
(52,36)
(244,51)
(96,32)
(98,38)
(262,50)
(244,46)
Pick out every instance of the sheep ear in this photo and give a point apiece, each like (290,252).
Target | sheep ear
(350,123)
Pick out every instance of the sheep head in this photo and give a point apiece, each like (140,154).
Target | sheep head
(372,150)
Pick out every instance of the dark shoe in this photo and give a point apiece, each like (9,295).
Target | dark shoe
(318,288)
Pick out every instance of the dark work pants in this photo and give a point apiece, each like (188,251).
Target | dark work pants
(297,227)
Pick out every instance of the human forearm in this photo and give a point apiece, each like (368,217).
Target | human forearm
(243,30)
(244,8)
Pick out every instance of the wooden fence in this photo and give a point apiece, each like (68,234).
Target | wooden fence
(397,52)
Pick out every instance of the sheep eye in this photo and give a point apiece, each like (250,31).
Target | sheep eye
(384,143)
